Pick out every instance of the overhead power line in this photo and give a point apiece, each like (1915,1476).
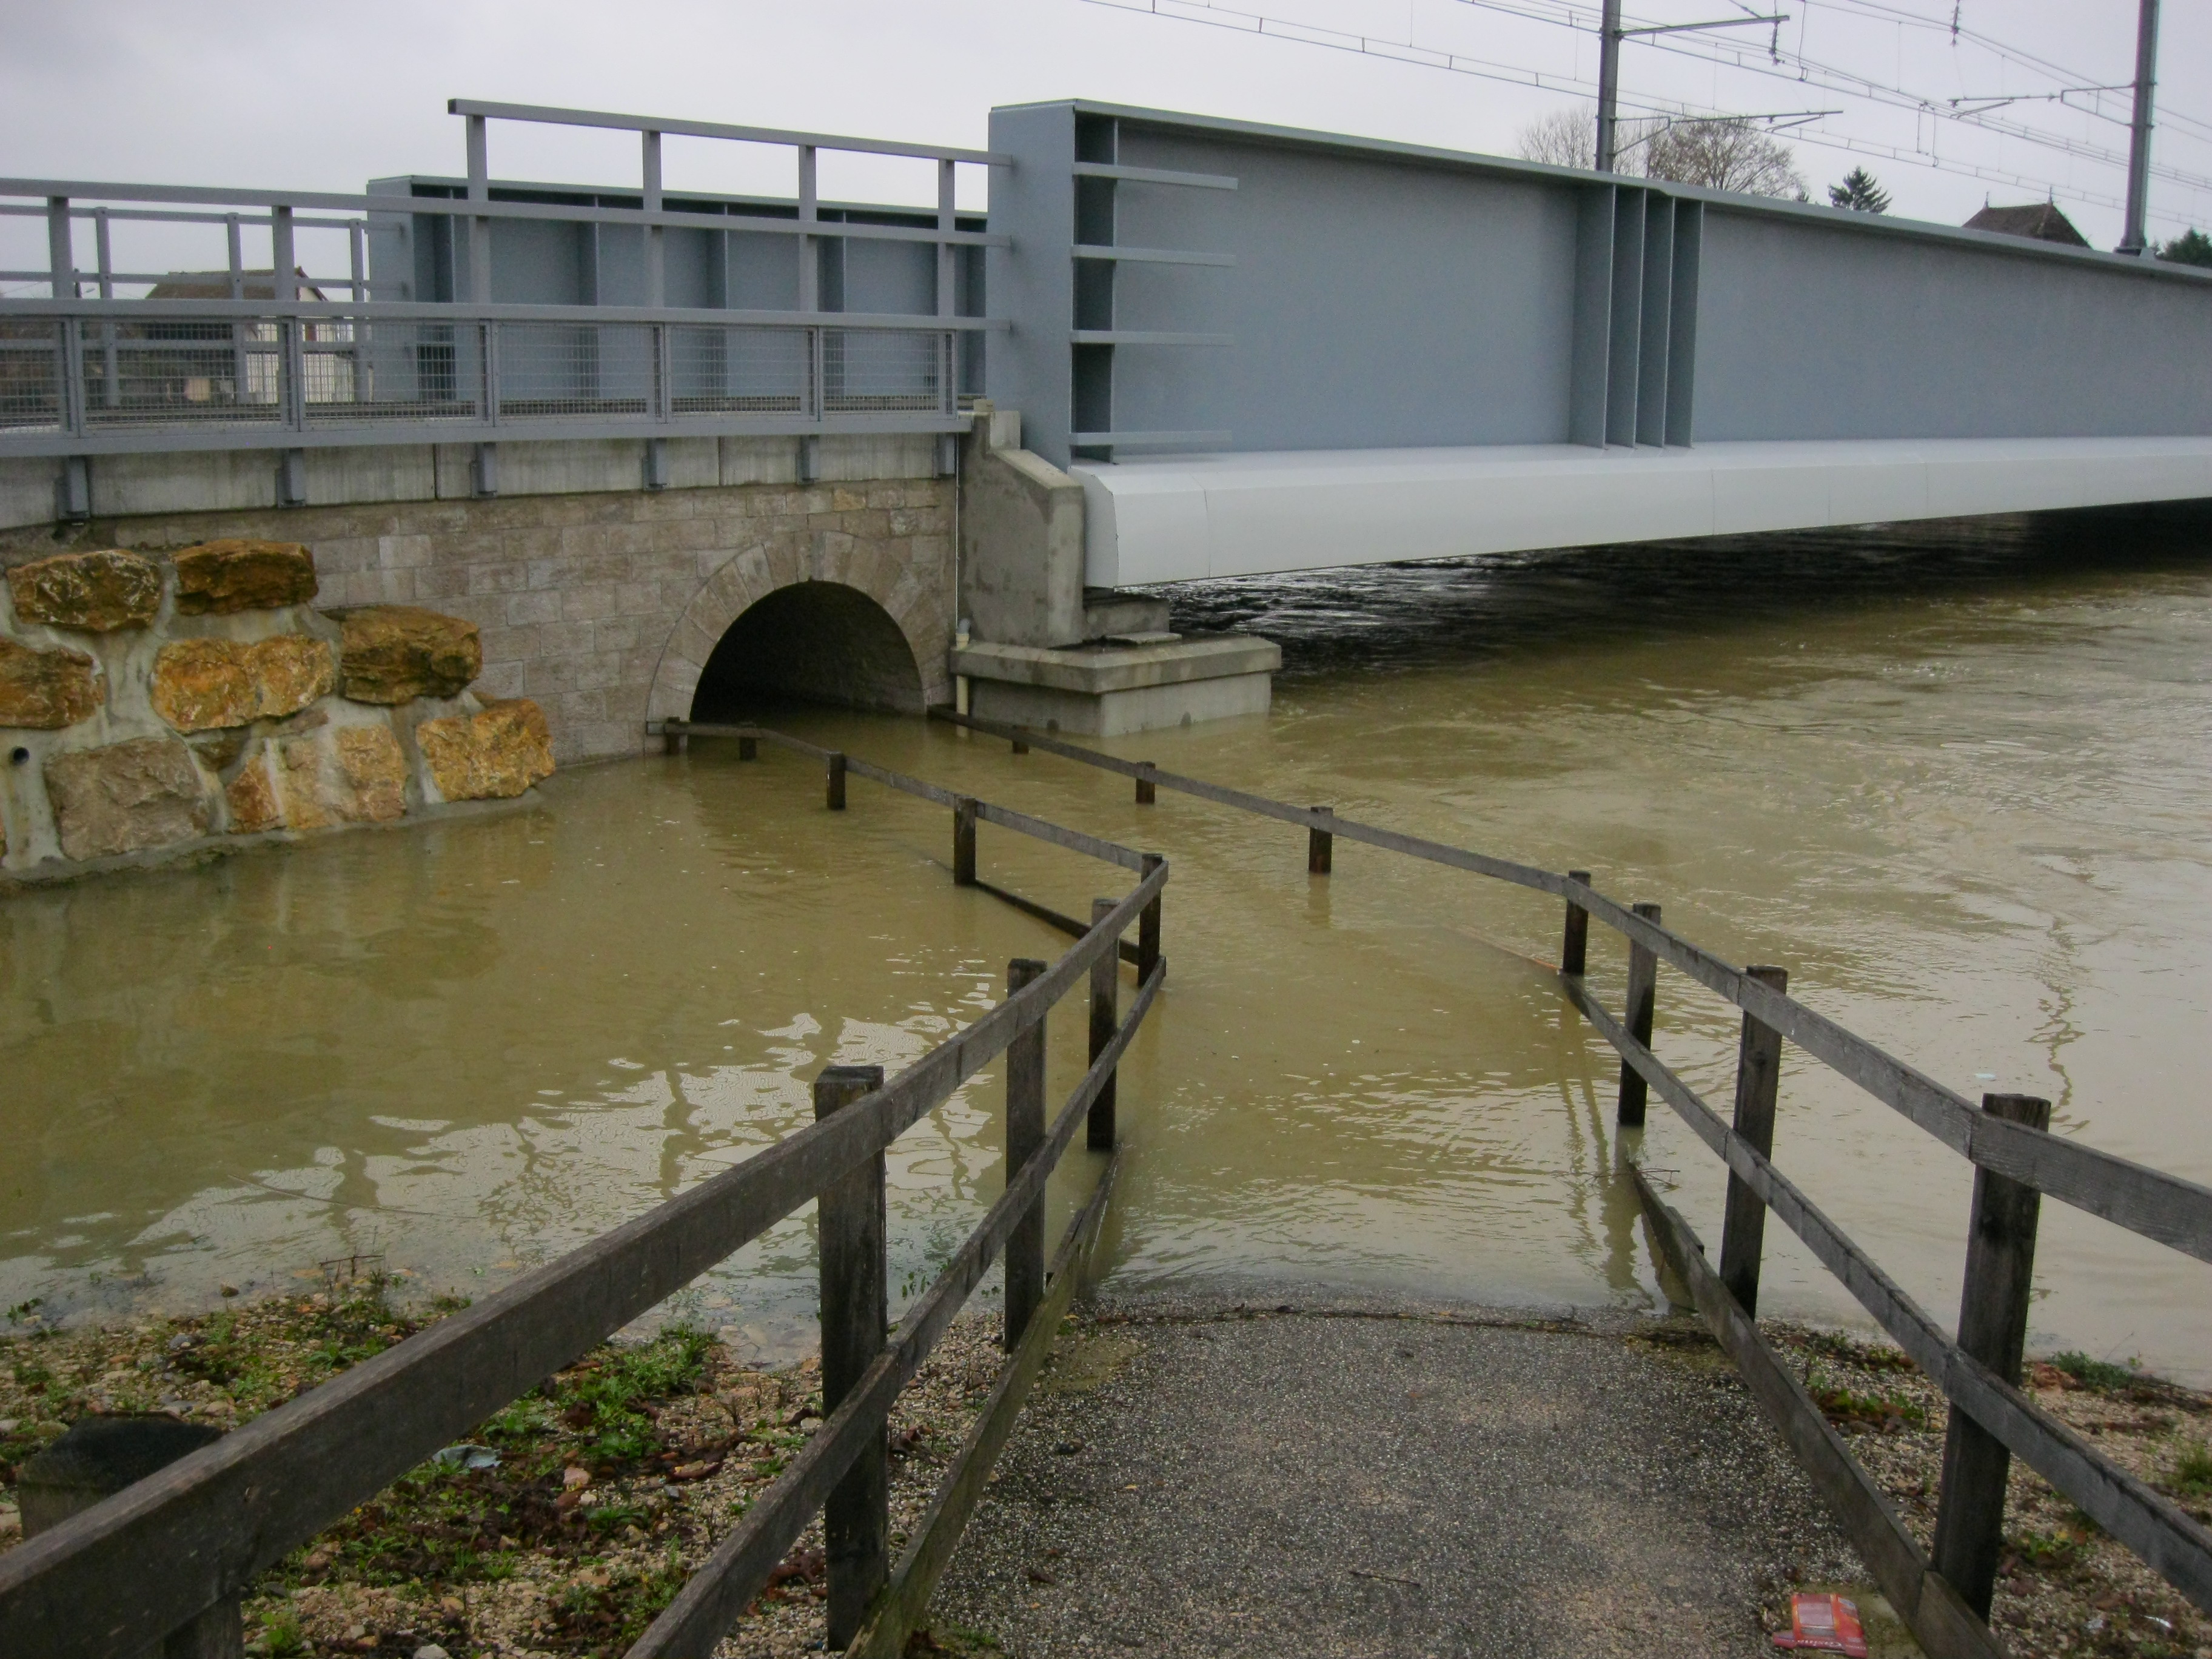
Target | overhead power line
(1726,55)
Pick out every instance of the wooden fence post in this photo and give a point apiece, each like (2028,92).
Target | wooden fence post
(1321,849)
(1643,987)
(964,840)
(1992,1328)
(851,1239)
(1758,1081)
(748,749)
(1574,944)
(1148,792)
(836,781)
(1105,1020)
(1148,927)
(1025,1134)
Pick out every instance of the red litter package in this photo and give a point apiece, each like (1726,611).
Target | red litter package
(1825,1623)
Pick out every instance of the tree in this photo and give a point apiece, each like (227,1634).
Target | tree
(1725,153)
(1564,138)
(2191,248)
(1860,193)
(1720,152)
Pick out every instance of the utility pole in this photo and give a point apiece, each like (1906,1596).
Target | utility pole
(1608,81)
(2131,239)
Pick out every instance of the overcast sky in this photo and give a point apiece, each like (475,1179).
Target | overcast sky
(251,92)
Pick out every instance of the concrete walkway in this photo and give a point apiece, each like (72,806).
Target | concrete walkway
(1200,1479)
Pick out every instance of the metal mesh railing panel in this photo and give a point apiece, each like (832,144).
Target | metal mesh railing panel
(738,370)
(570,371)
(181,373)
(357,371)
(868,370)
(145,372)
(30,375)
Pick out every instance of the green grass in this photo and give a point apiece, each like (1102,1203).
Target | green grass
(610,1616)
(604,1400)
(2100,1374)
(1842,1404)
(2046,1550)
(2192,1470)
(445,1526)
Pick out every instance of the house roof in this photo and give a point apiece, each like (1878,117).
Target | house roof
(2040,220)
(215,285)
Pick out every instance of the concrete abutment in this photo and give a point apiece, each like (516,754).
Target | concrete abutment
(607,602)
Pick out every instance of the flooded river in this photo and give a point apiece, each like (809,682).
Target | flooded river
(1961,791)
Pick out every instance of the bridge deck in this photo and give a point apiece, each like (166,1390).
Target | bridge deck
(1192,1481)
(1189,517)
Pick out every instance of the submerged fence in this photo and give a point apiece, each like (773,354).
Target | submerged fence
(1945,1599)
(154,1559)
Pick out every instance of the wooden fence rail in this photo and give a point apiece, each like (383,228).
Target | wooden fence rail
(2016,1158)
(2173,1210)
(121,1575)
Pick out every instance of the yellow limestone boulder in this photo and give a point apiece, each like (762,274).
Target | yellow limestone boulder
(220,578)
(200,685)
(341,775)
(393,653)
(289,671)
(46,689)
(126,796)
(203,685)
(492,756)
(98,591)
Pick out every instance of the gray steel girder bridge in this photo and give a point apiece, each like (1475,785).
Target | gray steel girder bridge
(1257,348)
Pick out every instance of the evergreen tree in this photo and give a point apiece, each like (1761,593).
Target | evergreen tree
(1860,193)
(2192,248)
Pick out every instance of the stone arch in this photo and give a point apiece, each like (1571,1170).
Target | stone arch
(866,597)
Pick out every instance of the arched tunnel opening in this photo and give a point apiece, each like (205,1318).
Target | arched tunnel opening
(819,642)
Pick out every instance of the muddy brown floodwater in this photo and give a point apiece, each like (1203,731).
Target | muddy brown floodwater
(1961,788)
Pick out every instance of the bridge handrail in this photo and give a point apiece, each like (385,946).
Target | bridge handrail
(2168,1208)
(218,1516)
(459,311)
(73,192)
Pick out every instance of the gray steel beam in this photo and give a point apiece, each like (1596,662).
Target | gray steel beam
(479,109)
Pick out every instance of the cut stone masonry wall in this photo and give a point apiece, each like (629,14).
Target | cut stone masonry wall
(597,599)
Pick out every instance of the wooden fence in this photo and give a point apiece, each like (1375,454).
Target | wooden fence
(121,1576)
(1946,1601)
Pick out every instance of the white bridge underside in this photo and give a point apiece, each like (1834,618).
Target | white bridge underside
(1189,517)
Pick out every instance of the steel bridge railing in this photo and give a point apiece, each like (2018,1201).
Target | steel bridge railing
(247,354)
(107,376)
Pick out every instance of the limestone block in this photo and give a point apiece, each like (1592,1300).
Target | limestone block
(341,775)
(205,686)
(126,796)
(254,803)
(394,653)
(217,578)
(289,671)
(492,756)
(375,772)
(98,591)
(46,689)
(201,685)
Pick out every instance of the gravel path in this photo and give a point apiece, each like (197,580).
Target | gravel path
(1200,1478)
